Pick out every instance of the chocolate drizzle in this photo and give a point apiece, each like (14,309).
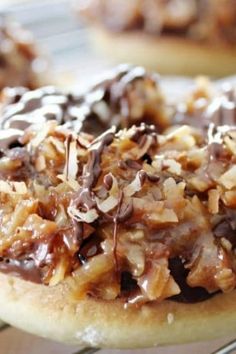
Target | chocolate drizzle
(121,204)
(119,93)
(92,169)
(106,104)
(220,111)
(84,199)
(110,102)
(187,295)
(38,106)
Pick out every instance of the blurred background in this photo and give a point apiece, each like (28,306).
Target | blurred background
(60,35)
(82,38)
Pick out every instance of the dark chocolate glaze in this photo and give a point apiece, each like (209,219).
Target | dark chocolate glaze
(26,269)
(226,226)
(93,112)
(188,294)
(89,248)
(38,106)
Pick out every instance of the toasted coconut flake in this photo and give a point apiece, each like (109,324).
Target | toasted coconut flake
(183,134)
(225,279)
(199,184)
(20,187)
(108,204)
(87,217)
(231,144)
(228,179)
(226,244)
(8,164)
(135,235)
(71,166)
(59,146)
(90,274)
(229,198)
(136,258)
(155,212)
(173,166)
(40,163)
(213,201)
(158,283)
(42,133)
(157,164)
(23,209)
(59,272)
(135,185)
(172,190)
(113,199)
(165,216)
(138,151)
(61,217)
(5,187)
(13,187)
(72,183)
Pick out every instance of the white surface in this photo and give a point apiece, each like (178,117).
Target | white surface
(13,341)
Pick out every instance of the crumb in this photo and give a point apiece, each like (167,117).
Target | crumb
(170,318)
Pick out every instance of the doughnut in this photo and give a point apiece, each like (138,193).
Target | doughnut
(170,36)
(21,62)
(123,238)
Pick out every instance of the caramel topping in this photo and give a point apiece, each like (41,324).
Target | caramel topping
(105,221)
(142,213)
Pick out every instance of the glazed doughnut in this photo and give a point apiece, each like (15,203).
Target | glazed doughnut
(123,239)
(171,36)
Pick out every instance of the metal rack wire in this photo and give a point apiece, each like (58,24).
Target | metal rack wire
(90,351)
